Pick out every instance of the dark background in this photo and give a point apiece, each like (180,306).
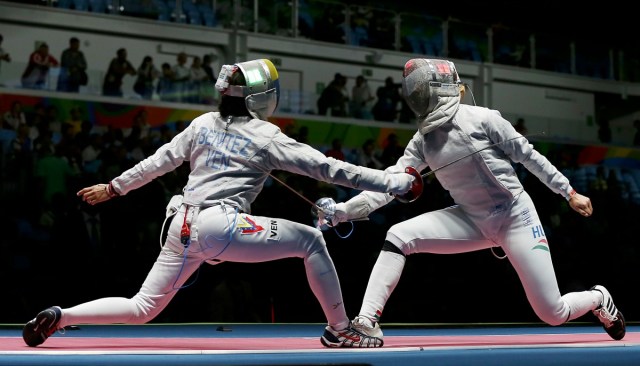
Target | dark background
(613,23)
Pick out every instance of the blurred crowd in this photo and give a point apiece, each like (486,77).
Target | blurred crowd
(189,80)
(387,104)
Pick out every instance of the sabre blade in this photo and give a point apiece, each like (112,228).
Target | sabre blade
(320,209)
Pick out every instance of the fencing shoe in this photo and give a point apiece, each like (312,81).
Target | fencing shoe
(611,318)
(39,329)
(364,325)
(349,337)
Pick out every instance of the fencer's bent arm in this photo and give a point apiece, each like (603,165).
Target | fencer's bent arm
(522,151)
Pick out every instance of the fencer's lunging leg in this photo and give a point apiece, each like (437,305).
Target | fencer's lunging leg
(383,280)
(529,252)
(161,285)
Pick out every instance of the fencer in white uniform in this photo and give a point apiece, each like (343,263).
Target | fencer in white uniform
(231,154)
(491,207)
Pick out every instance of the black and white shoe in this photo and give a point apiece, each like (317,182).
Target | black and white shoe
(39,329)
(611,318)
(349,337)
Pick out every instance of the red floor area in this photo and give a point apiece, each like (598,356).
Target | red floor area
(68,344)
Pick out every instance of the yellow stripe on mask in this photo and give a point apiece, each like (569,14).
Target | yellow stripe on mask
(272,69)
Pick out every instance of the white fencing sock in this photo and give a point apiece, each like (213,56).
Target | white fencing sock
(383,280)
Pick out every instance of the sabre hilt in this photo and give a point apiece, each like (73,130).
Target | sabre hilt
(416,187)
(324,210)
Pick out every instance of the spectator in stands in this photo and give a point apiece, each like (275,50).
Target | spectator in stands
(334,98)
(386,107)
(520,126)
(510,48)
(208,96)
(367,155)
(197,79)
(636,136)
(44,141)
(36,74)
(37,120)
(38,113)
(140,126)
(73,68)
(54,172)
(330,26)
(336,150)
(19,159)
(392,150)
(604,131)
(73,125)
(360,23)
(598,184)
(206,66)
(119,67)
(302,135)
(21,145)
(53,120)
(147,74)
(14,117)
(405,115)
(4,56)
(181,75)
(361,95)
(83,138)
(165,87)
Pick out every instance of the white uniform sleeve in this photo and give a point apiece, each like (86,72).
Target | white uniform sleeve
(520,150)
(363,204)
(167,158)
(285,153)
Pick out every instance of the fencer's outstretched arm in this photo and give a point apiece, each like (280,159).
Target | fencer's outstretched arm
(361,205)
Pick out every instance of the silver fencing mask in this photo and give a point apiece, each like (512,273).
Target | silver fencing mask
(424,81)
(262,92)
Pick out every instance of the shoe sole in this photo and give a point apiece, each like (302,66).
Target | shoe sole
(38,337)
(326,343)
(624,328)
(329,344)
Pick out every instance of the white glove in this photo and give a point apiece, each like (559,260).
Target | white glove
(340,214)
(400,183)
(328,213)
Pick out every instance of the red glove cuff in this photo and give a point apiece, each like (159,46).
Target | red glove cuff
(110,191)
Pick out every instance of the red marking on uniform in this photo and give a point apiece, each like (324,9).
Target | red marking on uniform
(543,241)
(254,229)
